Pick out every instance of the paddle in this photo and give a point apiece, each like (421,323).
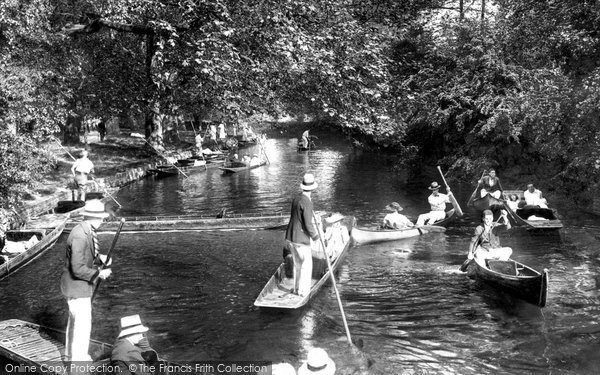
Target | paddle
(459,211)
(97,184)
(337,294)
(155,150)
(470,201)
(112,246)
(465,265)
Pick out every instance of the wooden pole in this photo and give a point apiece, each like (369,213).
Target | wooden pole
(108,255)
(452,198)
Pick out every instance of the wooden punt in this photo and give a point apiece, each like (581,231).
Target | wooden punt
(548,218)
(241,221)
(372,235)
(487,202)
(513,277)
(277,293)
(46,228)
(29,344)
(239,167)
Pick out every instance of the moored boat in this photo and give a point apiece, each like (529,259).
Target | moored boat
(240,166)
(513,277)
(278,294)
(26,244)
(372,235)
(532,217)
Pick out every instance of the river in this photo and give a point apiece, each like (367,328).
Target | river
(405,300)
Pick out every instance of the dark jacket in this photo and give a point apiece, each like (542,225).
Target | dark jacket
(300,228)
(487,240)
(81,265)
(124,354)
(485,184)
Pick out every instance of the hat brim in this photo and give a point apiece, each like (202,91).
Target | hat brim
(313,186)
(393,209)
(98,215)
(328,370)
(133,330)
(434,188)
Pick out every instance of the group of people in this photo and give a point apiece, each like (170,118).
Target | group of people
(490,184)
(531,196)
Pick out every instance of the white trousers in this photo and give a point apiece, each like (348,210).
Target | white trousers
(500,253)
(79,328)
(303,265)
(431,217)
(496,194)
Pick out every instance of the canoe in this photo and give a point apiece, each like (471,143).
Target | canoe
(239,167)
(545,218)
(487,202)
(277,293)
(46,229)
(241,221)
(513,277)
(372,235)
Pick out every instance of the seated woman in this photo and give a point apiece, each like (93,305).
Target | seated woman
(513,202)
(395,220)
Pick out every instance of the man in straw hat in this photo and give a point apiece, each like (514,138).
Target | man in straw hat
(300,231)
(437,202)
(82,270)
(132,349)
(317,363)
(395,220)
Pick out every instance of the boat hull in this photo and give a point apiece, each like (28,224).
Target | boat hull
(521,215)
(366,235)
(488,203)
(241,168)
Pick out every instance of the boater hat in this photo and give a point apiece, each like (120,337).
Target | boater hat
(317,363)
(308,182)
(94,208)
(434,186)
(131,324)
(394,206)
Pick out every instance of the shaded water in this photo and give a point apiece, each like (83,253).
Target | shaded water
(404,299)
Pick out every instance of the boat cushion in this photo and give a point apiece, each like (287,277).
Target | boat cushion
(506,267)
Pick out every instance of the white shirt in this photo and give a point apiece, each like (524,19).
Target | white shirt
(438,203)
(396,220)
(532,199)
(83,165)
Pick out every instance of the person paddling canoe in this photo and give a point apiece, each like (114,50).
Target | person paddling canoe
(437,201)
(485,243)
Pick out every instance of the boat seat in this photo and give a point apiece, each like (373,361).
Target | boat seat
(506,267)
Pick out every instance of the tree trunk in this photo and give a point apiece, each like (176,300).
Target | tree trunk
(461,9)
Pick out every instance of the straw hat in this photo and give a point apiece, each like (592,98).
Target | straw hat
(130,325)
(308,182)
(317,363)
(434,186)
(94,208)
(394,206)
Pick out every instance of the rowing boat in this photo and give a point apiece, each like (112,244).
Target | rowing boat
(261,220)
(513,277)
(239,167)
(532,217)
(46,229)
(487,203)
(277,293)
(372,235)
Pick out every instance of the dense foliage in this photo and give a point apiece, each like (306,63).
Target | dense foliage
(514,83)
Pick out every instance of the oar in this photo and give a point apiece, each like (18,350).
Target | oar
(155,150)
(452,198)
(470,201)
(97,184)
(465,265)
(112,246)
(337,294)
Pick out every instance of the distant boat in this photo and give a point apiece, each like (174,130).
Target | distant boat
(238,166)
(513,277)
(532,217)
(277,293)
(46,229)
(372,235)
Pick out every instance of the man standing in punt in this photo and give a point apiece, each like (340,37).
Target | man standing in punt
(300,231)
(437,202)
(83,267)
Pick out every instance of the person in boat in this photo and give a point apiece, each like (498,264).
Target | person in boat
(533,197)
(254,160)
(132,349)
(395,220)
(317,362)
(305,140)
(490,184)
(81,169)
(437,202)
(84,265)
(513,202)
(300,231)
(485,243)
(199,139)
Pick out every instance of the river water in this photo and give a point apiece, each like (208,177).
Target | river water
(405,300)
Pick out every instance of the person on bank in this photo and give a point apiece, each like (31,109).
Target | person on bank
(299,233)
(484,243)
(102,130)
(395,220)
(437,202)
(81,169)
(83,267)
(533,197)
(132,349)
(490,184)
